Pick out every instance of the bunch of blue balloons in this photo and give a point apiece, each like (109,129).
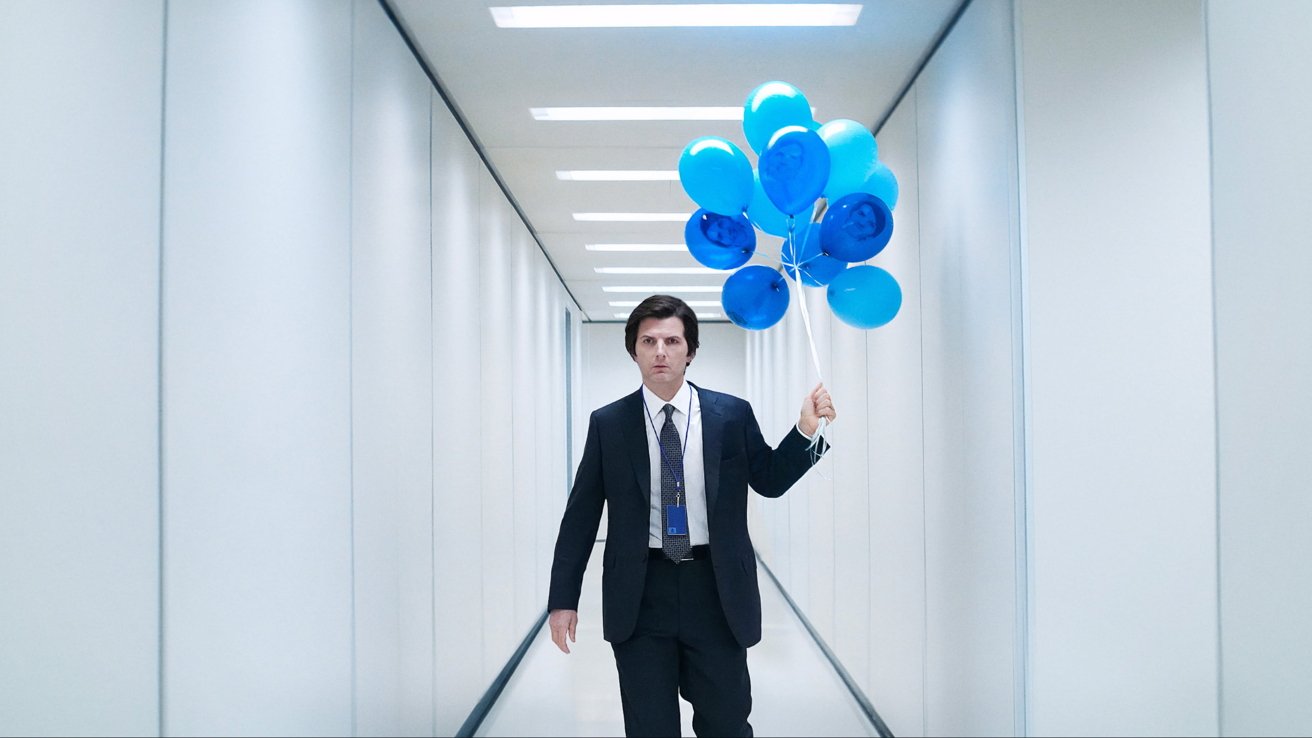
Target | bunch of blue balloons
(800,161)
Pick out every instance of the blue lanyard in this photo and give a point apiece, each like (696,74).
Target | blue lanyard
(678,475)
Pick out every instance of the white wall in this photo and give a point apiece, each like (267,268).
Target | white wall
(1040,417)
(392,357)
(79,353)
(901,547)
(1260,69)
(348,466)
(256,345)
(1119,373)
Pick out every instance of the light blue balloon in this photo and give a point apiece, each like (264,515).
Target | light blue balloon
(720,241)
(717,175)
(853,155)
(865,297)
(755,297)
(794,169)
(882,184)
(770,107)
(818,269)
(766,216)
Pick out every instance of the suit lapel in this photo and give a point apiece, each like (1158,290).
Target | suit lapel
(712,433)
(635,440)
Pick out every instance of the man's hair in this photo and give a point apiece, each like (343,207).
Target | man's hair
(661,307)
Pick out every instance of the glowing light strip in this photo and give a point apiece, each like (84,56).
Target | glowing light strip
(633,217)
(617,175)
(676,16)
(655,270)
(664,289)
(638,113)
(689,303)
(636,247)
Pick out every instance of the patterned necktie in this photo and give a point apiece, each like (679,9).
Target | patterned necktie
(676,547)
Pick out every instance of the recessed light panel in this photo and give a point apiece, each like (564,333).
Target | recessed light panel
(618,175)
(635,247)
(655,270)
(700,316)
(633,217)
(676,16)
(734,112)
(689,303)
(663,289)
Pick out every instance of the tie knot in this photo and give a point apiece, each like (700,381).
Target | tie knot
(669,412)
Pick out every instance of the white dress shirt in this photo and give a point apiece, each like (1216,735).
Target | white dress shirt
(685,403)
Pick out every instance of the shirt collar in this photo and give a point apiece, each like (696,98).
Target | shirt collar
(680,401)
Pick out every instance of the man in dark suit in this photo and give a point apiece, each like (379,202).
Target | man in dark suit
(671,464)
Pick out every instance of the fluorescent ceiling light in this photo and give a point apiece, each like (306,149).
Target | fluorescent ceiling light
(689,303)
(618,175)
(683,15)
(700,316)
(634,217)
(639,113)
(635,247)
(655,270)
(664,289)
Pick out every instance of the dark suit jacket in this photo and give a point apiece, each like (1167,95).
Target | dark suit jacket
(616,470)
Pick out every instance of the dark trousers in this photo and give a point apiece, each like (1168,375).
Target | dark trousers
(682,645)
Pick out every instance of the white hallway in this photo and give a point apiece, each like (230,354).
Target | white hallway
(290,396)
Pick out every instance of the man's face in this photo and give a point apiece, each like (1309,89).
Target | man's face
(662,354)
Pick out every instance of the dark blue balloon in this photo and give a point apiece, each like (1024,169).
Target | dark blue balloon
(794,168)
(720,241)
(856,227)
(755,297)
(865,297)
(817,268)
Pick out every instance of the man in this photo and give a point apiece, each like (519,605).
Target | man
(671,463)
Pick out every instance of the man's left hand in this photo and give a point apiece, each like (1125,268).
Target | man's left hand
(817,405)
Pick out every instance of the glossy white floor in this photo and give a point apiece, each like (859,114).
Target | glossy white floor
(795,690)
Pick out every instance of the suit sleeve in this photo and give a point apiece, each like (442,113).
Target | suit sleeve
(578,527)
(774,471)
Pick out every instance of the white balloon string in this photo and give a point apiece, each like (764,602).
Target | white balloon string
(806,321)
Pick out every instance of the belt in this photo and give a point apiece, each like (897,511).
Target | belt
(698,553)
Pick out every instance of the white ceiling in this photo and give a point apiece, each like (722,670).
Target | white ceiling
(495,75)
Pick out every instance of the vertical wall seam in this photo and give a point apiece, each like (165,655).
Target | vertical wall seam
(1216,366)
(1022,466)
(159,369)
(924,504)
(350,356)
(432,441)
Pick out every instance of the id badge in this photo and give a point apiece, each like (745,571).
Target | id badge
(676,520)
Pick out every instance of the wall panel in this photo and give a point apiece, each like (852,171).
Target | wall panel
(256,363)
(1120,369)
(525,350)
(391,383)
(967,188)
(79,328)
(896,485)
(497,233)
(1260,98)
(457,377)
